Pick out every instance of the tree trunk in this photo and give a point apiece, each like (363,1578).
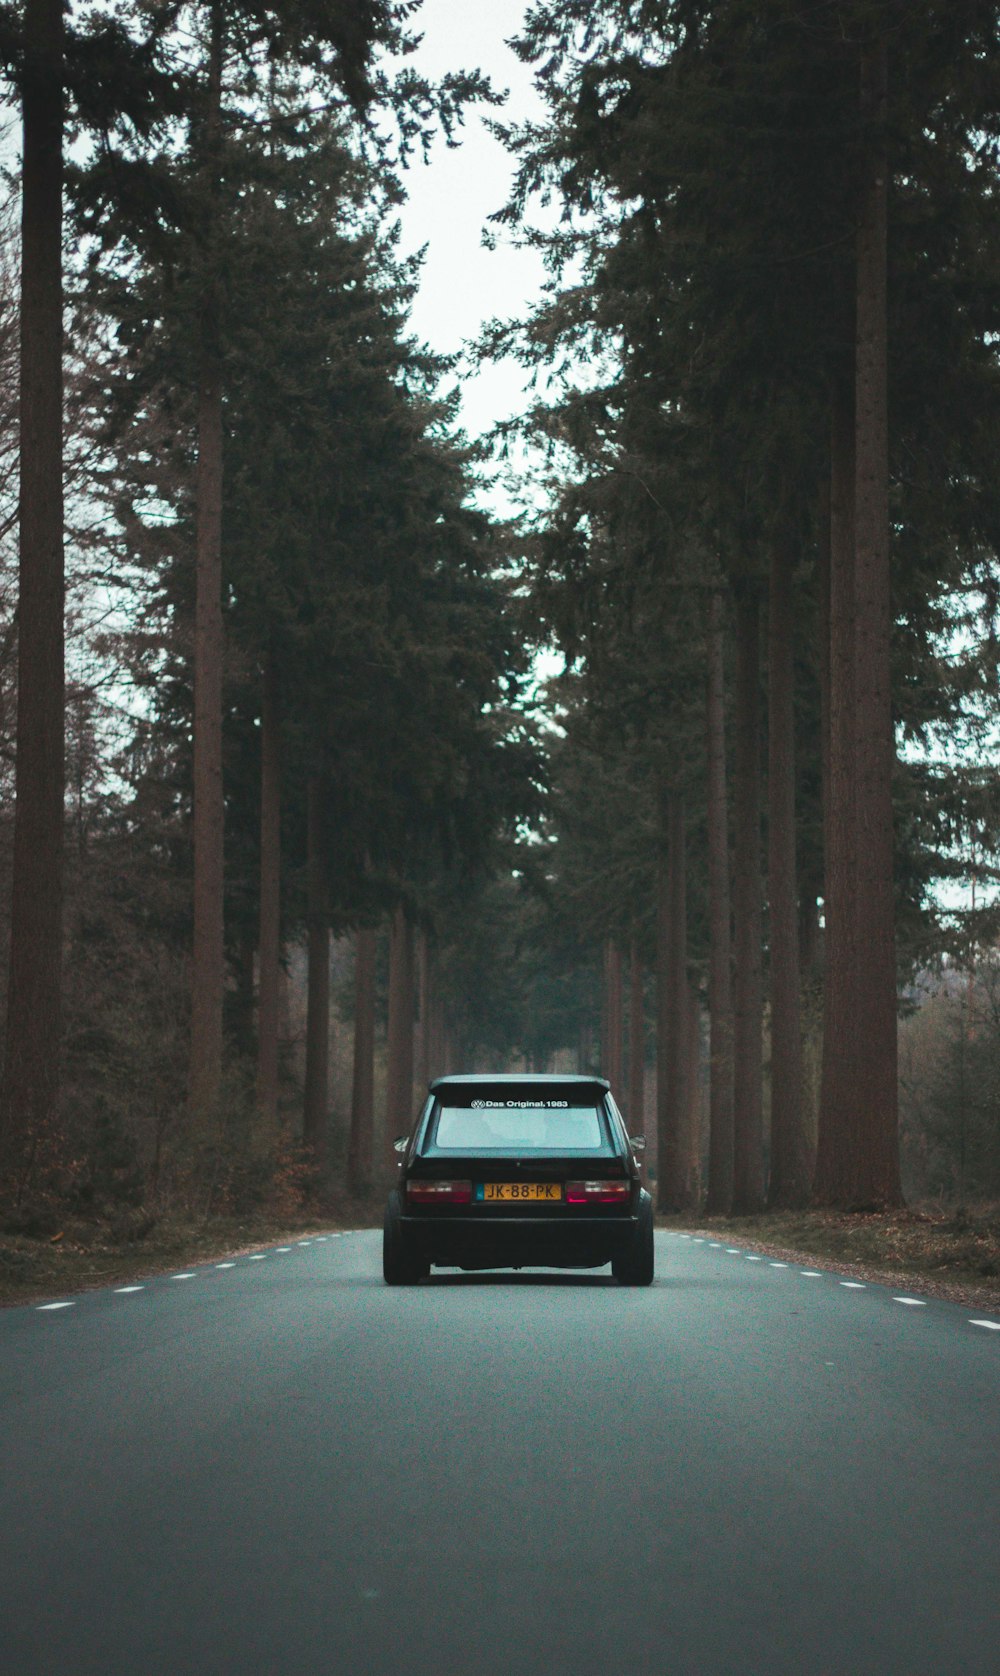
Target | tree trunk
(664,1140)
(748,1148)
(317,1089)
(812,862)
(671,1041)
(399,1070)
(359,1149)
(614,1015)
(436,1057)
(269,938)
(583,1046)
(824,545)
(636,1043)
(691,1148)
(424,1014)
(244,999)
(605,1014)
(34,1001)
(720,989)
(208,952)
(858,1164)
(790,1175)
(838,821)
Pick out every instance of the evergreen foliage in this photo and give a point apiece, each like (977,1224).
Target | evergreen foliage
(234,279)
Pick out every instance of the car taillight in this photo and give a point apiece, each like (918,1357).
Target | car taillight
(438,1192)
(597,1192)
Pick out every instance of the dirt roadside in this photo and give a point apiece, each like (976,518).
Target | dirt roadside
(943,1255)
(81,1257)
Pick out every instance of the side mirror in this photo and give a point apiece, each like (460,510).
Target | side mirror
(401,1143)
(637,1143)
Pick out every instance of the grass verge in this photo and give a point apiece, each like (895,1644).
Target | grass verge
(943,1253)
(84,1255)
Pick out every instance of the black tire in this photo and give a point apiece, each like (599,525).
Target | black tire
(400,1264)
(635,1265)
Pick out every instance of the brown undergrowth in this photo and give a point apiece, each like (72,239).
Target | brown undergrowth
(944,1253)
(82,1255)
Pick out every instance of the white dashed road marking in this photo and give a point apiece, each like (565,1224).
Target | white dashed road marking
(716,1245)
(815,1274)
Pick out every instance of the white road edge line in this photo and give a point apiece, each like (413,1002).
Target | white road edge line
(994,1326)
(917,1303)
(121,1289)
(69,1304)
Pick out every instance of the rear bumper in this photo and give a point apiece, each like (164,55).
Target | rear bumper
(487,1242)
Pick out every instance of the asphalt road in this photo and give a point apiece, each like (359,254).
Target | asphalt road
(283,1467)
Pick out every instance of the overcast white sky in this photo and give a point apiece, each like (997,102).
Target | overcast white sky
(463,284)
(450,199)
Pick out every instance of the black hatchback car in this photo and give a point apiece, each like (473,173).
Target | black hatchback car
(518,1172)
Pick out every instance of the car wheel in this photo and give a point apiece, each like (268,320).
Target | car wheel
(400,1264)
(635,1265)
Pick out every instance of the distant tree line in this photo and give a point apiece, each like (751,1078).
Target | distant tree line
(311,675)
(770,551)
(270,674)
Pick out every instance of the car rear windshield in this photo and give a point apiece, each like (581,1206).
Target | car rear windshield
(519,1125)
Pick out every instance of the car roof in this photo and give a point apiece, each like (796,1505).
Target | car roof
(517,1079)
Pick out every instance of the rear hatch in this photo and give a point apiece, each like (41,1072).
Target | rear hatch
(519,1151)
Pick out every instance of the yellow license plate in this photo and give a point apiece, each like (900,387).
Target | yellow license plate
(490,1191)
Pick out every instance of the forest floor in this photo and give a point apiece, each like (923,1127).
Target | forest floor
(947,1254)
(82,1255)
